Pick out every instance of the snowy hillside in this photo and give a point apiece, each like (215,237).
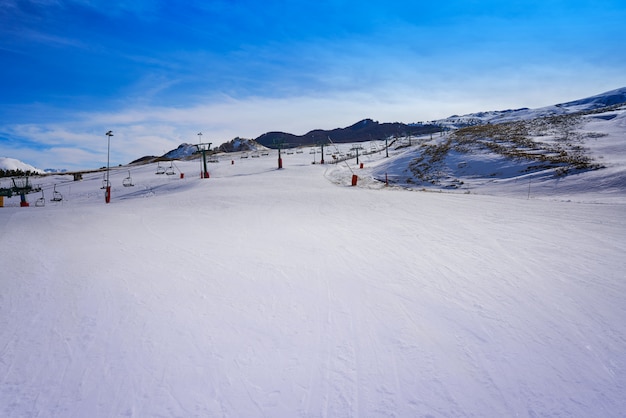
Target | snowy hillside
(261,292)
(10,164)
(609,98)
(571,156)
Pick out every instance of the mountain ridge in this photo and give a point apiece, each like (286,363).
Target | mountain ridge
(363,130)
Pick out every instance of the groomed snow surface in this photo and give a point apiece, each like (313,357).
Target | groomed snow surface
(261,292)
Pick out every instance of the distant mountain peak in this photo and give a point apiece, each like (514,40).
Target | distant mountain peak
(9,164)
(240,144)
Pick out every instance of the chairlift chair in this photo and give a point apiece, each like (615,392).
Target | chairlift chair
(41,201)
(128,181)
(170,170)
(56,196)
(160,170)
(104,182)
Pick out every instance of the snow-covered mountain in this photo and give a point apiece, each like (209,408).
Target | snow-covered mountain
(608,98)
(241,144)
(10,164)
(184,150)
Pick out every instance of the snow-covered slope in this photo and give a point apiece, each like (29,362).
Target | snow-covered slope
(263,292)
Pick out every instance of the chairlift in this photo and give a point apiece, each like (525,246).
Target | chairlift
(255,155)
(265,153)
(299,151)
(56,196)
(128,181)
(160,170)
(244,155)
(41,201)
(170,170)
(104,182)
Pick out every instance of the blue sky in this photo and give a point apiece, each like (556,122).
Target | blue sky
(158,72)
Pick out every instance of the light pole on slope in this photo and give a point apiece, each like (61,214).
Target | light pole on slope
(107,193)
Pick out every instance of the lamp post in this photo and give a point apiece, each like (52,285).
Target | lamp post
(107,193)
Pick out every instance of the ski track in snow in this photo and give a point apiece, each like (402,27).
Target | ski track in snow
(263,292)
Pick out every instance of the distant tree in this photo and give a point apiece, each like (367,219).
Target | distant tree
(15,173)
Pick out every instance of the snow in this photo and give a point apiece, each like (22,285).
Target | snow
(608,98)
(281,293)
(13,164)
